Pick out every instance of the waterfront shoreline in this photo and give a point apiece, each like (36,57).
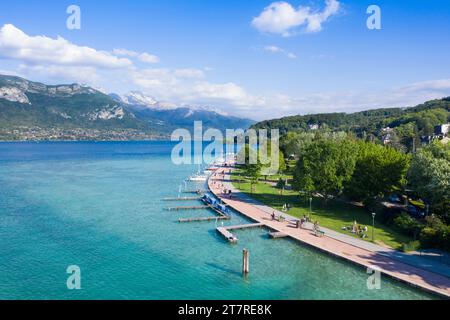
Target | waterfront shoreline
(422,279)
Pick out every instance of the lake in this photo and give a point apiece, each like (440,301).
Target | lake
(99,205)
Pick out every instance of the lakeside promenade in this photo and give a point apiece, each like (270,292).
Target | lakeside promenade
(356,251)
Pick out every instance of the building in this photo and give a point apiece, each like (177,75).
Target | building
(314,126)
(387,139)
(442,130)
(387,135)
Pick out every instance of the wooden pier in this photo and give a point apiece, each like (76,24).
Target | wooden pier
(227,235)
(181,199)
(196,191)
(187,208)
(245,226)
(277,235)
(225,231)
(203,219)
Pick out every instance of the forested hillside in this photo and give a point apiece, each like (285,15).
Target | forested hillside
(408,123)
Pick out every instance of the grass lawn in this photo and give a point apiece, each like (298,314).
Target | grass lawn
(333,215)
(276,178)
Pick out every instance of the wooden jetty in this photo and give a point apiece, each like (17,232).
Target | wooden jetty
(203,219)
(181,199)
(220,214)
(246,226)
(187,208)
(227,235)
(195,191)
(225,231)
(277,235)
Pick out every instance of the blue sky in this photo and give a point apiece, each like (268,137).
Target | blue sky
(211,52)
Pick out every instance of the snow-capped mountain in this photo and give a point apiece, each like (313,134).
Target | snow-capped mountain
(171,115)
(140,99)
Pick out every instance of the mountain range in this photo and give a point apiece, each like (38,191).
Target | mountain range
(33,110)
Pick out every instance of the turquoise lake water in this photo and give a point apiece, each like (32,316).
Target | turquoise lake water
(99,206)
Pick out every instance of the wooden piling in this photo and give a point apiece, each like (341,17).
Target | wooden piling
(245,262)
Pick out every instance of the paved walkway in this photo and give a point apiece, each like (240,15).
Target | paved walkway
(412,259)
(418,272)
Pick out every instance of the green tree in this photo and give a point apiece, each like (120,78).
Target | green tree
(281,184)
(251,170)
(408,225)
(271,165)
(378,171)
(293,142)
(429,176)
(325,166)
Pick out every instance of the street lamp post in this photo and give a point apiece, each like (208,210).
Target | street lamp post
(310,205)
(373,225)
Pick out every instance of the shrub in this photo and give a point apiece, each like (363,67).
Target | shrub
(436,234)
(429,237)
(408,225)
(411,246)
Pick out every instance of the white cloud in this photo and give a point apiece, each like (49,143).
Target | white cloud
(189,73)
(282,18)
(125,52)
(291,55)
(148,58)
(280,105)
(228,91)
(275,49)
(154,78)
(427,86)
(61,73)
(165,79)
(185,86)
(17,45)
(45,58)
(143,57)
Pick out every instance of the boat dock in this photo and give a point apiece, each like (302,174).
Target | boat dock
(187,208)
(181,199)
(225,231)
(227,234)
(195,191)
(184,220)
(277,235)
(246,226)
